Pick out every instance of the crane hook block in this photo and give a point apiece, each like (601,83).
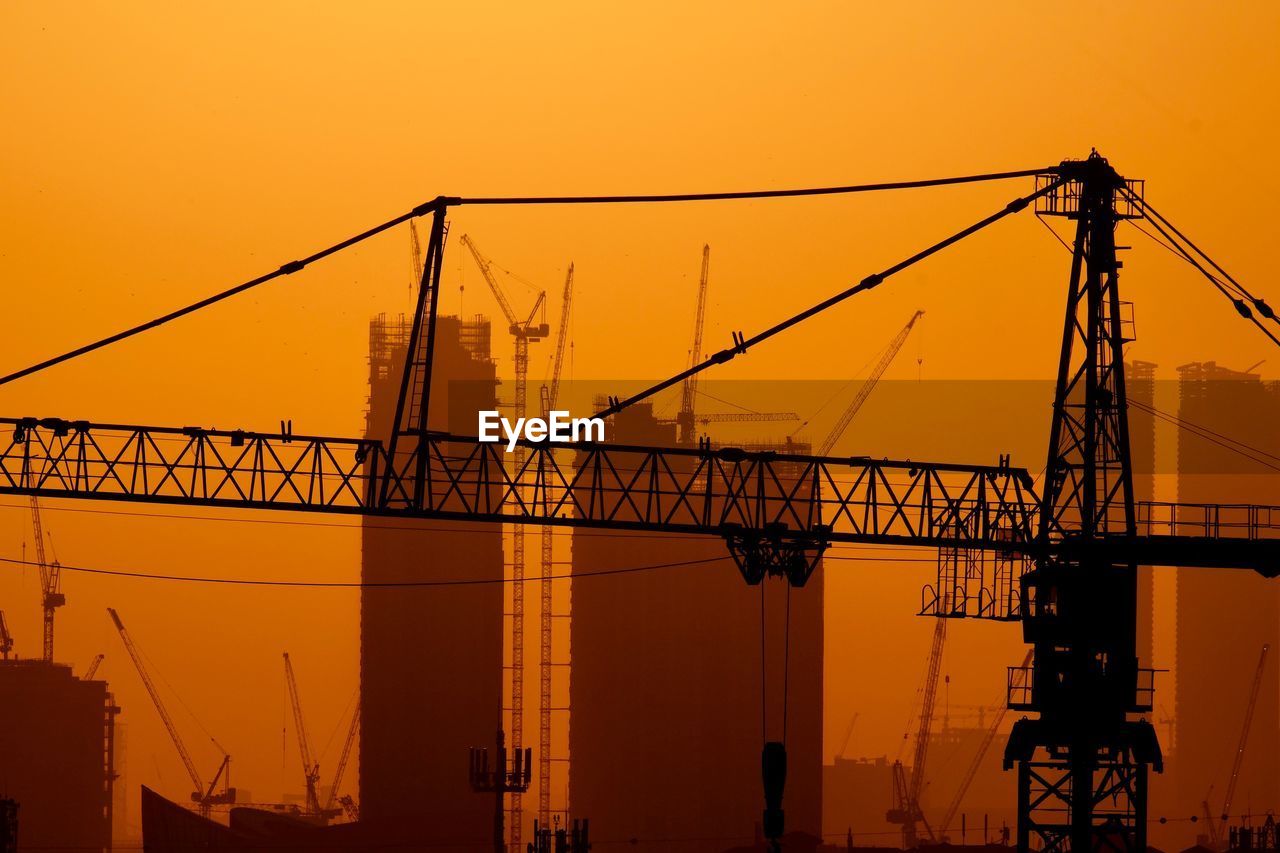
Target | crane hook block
(773,768)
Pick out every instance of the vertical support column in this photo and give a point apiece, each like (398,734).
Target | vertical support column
(1082,764)
(405,480)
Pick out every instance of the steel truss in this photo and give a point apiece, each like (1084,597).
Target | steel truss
(1069,552)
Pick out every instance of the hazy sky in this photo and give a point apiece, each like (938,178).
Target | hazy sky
(154,153)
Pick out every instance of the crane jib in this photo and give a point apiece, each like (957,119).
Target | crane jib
(715,492)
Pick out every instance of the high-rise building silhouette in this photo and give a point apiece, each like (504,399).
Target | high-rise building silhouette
(1225,617)
(430,657)
(666,687)
(57,742)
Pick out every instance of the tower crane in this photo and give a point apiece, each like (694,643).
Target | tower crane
(1081,774)
(310,768)
(550,393)
(846,417)
(204,797)
(347,803)
(524,331)
(686,418)
(1216,826)
(906,793)
(976,763)
(50,580)
(6,639)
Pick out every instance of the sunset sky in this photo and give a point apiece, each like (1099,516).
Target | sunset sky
(155,153)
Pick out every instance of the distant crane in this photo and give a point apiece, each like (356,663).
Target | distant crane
(1215,828)
(93,668)
(524,331)
(204,797)
(848,733)
(549,393)
(6,639)
(415,248)
(310,768)
(347,803)
(689,390)
(906,794)
(976,763)
(686,418)
(50,580)
(864,392)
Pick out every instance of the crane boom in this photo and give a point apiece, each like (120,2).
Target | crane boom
(415,255)
(93,667)
(341,769)
(562,336)
(926,715)
(486,270)
(742,417)
(976,763)
(864,392)
(1254,689)
(906,809)
(310,769)
(136,657)
(848,733)
(689,392)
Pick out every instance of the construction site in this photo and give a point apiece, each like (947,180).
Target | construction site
(830,582)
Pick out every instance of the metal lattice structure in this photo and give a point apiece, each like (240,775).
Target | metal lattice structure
(1062,561)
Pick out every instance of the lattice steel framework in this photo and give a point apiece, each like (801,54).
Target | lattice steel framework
(1082,763)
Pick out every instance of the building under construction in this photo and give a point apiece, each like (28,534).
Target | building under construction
(666,687)
(421,709)
(57,745)
(1224,618)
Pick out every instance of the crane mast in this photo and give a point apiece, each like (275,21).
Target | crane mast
(6,639)
(50,580)
(523,332)
(846,417)
(550,393)
(685,418)
(1216,827)
(848,733)
(200,795)
(310,769)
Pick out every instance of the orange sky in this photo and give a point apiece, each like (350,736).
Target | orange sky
(154,153)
